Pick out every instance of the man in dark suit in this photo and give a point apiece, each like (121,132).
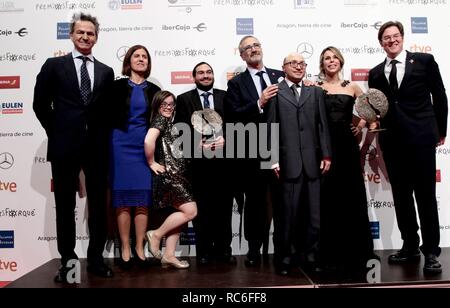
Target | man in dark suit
(247,96)
(213,232)
(69,101)
(304,149)
(416,123)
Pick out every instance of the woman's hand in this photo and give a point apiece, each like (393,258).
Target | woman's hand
(157,168)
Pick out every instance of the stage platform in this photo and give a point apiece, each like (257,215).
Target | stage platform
(217,275)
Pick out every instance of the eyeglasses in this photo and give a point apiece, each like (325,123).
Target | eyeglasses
(249,47)
(168,105)
(294,64)
(388,38)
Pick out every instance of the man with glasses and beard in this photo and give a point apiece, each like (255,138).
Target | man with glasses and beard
(247,95)
(214,199)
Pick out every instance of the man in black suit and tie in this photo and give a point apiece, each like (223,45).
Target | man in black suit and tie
(69,101)
(303,143)
(210,183)
(247,96)
(416,123)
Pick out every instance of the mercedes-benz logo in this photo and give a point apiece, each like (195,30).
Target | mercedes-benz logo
(305,49)
(173,1)
(6,160)
(121,52)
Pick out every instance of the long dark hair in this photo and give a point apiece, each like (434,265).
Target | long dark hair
(158,99)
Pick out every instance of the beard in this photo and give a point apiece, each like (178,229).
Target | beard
(205,87)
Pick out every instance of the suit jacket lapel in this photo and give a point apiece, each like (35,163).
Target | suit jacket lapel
(97,78)
(69,67)
(408,68)
(272,76)
(286,92)
(304,94)
(195,100)
(248,82)
(218,102)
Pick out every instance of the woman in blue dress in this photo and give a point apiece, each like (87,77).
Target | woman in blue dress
(130,174)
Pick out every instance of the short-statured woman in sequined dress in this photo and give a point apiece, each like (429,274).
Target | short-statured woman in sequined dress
(346,240)
(170,186)
(130,175)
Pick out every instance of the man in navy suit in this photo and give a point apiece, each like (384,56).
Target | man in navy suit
(213,231)
(304,155)
(416,123)
(247,96)
(69,101)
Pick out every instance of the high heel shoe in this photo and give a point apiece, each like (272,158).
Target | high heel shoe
(177,264)
(155,253)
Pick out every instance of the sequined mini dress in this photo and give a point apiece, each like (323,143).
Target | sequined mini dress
(172,187)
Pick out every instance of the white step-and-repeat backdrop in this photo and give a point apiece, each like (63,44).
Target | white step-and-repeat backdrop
(179,34)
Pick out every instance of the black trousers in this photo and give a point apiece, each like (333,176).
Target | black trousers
(412,174)
(297,223)
(214,197)
(65,174)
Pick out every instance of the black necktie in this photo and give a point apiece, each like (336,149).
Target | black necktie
(393,77)
(294,89)
(261,80)
(206,100)
(85,87)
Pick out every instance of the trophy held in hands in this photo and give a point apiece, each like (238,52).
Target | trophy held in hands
(372,106)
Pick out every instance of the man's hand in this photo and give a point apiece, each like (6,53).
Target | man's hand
(267,94)
(218,143)
(441,141)
(325,165)
(276,169)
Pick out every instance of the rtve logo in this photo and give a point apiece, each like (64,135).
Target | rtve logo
(8,265)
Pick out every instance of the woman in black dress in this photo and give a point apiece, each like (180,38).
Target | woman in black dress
(346,240)
(170,186)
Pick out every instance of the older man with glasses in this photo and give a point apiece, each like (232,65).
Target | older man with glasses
(247,96)
(303,143)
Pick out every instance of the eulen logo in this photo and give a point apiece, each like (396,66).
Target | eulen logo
(6,160)
(181,77)
(11,108)
(9,82)
(125,4)
(360,74)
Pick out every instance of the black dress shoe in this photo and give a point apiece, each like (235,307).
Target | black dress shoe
(283,269)
(227,259)
(205,259)
(253,260)
(100,269)
(432,265)
(61,275)
(403,256)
